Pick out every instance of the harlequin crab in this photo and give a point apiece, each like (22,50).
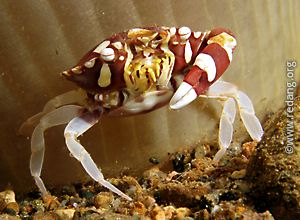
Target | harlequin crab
(137,71)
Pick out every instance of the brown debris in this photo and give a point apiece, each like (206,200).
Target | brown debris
(275,174)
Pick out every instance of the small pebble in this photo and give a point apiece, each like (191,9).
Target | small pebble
(238,174)
(116,203)
(2,205)
(103,200)
(86,193)
(181,213)
(51,202)
(8,196)
(139,208)
(9,217)
(169,211)
(172,175)
(244,187)
(45,216)
(248,148)
(149,201)
(65,214)
(202,150)
(38,205)
(12,208)
(157,213)
(202,214)
(178,162)
(153,160)
(74,201)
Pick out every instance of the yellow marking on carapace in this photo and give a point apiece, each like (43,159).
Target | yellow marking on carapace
(104,79)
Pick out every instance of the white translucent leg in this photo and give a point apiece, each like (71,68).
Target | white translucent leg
(225,91)
(56,117)
(247,114)
(73,96)
(226,127)
(74,129)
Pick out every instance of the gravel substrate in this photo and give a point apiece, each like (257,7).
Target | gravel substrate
(250,182)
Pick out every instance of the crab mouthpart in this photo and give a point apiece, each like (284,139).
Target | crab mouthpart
(184,95)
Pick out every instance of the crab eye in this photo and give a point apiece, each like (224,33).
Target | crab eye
(107,54)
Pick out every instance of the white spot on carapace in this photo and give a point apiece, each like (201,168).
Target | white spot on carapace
(188,52)
(90,63)
(108,54)
(184,95)
(76,70)
(104,79)
(207,63)
(101,46)
(121,58)
(184,32)
(197,34)
(66,73)
(172,31)
(117,45)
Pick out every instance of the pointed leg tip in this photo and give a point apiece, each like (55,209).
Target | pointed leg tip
(219,154)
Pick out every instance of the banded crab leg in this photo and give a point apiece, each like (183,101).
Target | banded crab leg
(73,96)
(229,96)
(76,127)
(56,117)
(227,93)
(78,123)
(226,126)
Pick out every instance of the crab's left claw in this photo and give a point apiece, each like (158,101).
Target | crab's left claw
(195,82)
(184,95)
(208,67)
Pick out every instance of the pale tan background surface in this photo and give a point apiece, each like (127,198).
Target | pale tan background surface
(41,38)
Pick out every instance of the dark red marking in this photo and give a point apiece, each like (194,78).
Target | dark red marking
(220,57)
(197,78)
(195,44)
